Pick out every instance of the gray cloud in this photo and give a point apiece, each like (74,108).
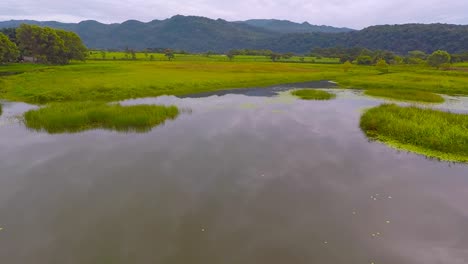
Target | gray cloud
(350,13)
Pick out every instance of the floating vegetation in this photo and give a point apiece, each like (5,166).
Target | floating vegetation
(312,94)
(81,116)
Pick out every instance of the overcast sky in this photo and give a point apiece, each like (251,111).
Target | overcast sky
(346,13)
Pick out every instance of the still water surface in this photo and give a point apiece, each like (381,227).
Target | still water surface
(243,177)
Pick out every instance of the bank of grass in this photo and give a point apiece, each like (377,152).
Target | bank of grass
(406,95)
(433,133)
(80,116)
(406,77)
(312,94)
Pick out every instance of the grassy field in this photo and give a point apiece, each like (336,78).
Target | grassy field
(406,95)
(117,80)
(80,116)
(433,133)
(309,94)
(97,55)
(420,78)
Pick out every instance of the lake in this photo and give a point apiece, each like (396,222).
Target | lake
(241,176)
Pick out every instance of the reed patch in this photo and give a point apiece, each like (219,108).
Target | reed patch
(433,133)
(80,116)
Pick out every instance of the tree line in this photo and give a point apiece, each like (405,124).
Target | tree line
(363,56)
(42,44)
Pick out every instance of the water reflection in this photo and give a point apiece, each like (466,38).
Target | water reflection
(266,91)
(287,181)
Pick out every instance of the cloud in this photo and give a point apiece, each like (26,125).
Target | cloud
(349,13)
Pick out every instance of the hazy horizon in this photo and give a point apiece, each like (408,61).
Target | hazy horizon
(160,19)
(355,14)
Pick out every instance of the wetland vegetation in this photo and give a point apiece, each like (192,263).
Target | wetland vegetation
(118,80)
(80,116)
(406,95)
(433,133)
(312,94)
(112,81)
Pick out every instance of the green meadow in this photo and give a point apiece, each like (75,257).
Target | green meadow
(436,134)
(117,80)
(112,81)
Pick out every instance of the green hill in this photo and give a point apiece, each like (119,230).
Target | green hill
(199,34)
(285,26)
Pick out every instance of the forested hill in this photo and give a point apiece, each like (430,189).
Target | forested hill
(396,38)
(199,34)
(285,26)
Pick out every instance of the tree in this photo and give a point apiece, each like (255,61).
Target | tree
(461,57)
(8,50)
(169,54)
(74,49)
(364,60)
(10,33)
(41,43)
(398,60)
(388,56)
(382,66)
(209,53)
(230,55)
(288,55)
(438,58)
(275,56)
(347,66)
(48,45)
(103,54)
(417,54)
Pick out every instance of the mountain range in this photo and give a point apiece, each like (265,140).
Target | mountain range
(200,34)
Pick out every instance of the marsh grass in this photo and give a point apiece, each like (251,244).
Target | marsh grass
(80,116)
(433,133)
(406,95)
(117,80)
(312,94)
(407,77)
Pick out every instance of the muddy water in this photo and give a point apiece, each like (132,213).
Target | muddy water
(240,178)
